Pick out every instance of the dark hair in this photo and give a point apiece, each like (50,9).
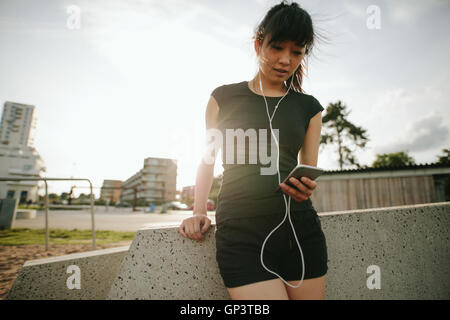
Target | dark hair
(288,22)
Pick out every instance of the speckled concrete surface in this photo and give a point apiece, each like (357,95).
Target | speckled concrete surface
(46,279)
(410,245)
(162,264)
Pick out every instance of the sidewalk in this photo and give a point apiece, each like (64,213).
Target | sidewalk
(117,219)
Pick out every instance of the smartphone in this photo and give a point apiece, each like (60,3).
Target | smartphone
(302,170)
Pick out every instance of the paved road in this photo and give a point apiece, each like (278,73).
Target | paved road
(118,219)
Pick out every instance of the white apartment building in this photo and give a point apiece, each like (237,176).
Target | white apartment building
(18,125)
(156,181)
(18,157)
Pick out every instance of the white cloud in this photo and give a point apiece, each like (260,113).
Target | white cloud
(408,120)
(356,8)
(407,11)
(425,134)
(402,103)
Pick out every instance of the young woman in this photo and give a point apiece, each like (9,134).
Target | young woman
(258,254)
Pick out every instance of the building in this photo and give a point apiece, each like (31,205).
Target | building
(18,157)
(366,188)
(18,125)
(155,182)
(188,194)
(111,190)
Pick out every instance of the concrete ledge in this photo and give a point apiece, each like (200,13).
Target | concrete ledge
(161,264)
(409,244)
(46,279)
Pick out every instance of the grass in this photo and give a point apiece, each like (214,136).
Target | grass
(23,236)
(31,207)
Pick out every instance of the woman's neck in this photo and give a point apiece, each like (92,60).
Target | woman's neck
(269,88)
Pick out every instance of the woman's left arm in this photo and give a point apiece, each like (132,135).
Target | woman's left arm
(308,154)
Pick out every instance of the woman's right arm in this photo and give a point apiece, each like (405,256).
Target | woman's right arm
(194,227)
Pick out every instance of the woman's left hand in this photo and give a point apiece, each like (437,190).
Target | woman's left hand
(302,191)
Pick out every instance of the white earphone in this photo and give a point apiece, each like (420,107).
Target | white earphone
(287,203)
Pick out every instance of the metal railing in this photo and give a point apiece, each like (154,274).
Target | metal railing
(46,201)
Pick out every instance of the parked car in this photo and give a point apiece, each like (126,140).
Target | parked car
(210,206)
(176,205)
(122,205)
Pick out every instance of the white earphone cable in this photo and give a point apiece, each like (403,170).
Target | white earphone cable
(287,203)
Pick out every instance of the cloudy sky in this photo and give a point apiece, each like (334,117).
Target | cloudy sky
(131,79)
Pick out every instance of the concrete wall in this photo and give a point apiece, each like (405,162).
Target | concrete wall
(409,244)
(162,264)
(47,278)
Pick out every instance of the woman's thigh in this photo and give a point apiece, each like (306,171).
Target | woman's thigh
(310,289)
(263,290)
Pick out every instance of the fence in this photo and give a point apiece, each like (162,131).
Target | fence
(46,201)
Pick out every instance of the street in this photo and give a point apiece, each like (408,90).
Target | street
(118,219)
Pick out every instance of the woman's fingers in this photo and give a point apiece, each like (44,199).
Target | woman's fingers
(181,230)
(206,225)
(197,234)
(192,231)
(187,229)
(196,227)
(310,183)
(192,234)
(294,193)
(192,228)
(303,186)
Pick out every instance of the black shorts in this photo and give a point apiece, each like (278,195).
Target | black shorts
(239,243)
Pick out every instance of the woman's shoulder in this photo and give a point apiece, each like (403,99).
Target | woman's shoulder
(227,86)
(306,97)
(308,103)
(302,95)
(227,89)
(311,104)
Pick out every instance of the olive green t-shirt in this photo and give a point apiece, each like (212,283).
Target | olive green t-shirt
(246,192)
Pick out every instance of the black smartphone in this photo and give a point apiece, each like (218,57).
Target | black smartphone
(302,170)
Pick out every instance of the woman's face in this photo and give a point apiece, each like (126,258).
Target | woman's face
(282,56)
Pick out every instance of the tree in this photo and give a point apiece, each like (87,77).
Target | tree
(83,196)
(70,196)
(53,196)
(396,159)
(215,188)
(338,129)
(445,158)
